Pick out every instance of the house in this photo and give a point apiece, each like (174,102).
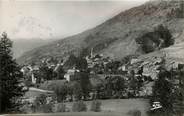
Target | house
(57,67)
(33,70)
(134,60)
(70,73)
(30,70)
(177,65)
(25,70)
(123,68)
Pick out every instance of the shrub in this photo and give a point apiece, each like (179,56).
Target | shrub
(134,112)
(61,108)
(77,90)
(47,108)
(96,106)
(159,112)
(40,100)
(161,37)
(162,90)
(40,105)
(58,86)
(79,106)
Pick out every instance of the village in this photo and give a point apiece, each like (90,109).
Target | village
(108,79)
(107,58)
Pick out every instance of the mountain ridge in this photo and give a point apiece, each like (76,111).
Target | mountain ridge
(116,36)
(18,44)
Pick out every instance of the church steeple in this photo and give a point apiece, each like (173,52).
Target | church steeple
(91,52)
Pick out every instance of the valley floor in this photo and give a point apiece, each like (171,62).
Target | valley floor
(120,106)
(112,107)
(77,114)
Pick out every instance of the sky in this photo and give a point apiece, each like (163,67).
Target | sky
(46,19)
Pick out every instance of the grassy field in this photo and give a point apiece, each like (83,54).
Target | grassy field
(112,107)
(76,114)
(118,107)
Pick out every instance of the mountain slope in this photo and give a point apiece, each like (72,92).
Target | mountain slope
(21,45)
(116,37)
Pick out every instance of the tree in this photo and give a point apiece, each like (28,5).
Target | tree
(182,8)
(40,104)
(179,12)
(84,52)
(164,34)
(161,37)
(79,106)
(10,77)
(98,86)
(78,62)
(45,72)
(162,91)
(178,105)
(60,72)
(112,67)
(70,62)
(61,92)
(133,85)
(83,79)
(96,106)
(81,63)
(77,90)
(85,84)
(116,85)
(59,87)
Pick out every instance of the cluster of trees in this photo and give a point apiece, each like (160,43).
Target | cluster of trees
(162,91)
(83,87)
(112,67)
(44,73)
(10,78)
(111,87)
(114,87)
(168,93)
(41,105)
(79,62)
(177,12)
(77,89)
(161,37)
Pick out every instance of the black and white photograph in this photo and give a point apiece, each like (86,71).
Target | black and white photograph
(91,57)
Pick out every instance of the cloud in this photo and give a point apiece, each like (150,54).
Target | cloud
(56,19)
